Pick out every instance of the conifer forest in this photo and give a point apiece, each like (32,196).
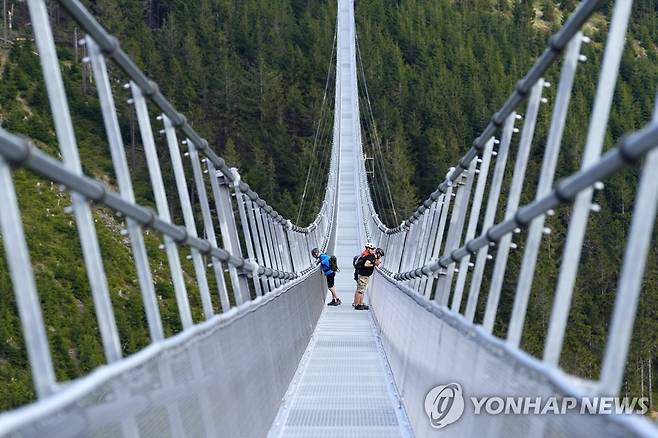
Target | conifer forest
(255,78)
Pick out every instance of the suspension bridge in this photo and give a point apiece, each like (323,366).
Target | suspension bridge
(276,361)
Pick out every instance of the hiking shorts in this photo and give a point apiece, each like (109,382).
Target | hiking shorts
(330,280)
(361,283)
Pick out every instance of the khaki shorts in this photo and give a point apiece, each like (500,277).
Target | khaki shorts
(362,283)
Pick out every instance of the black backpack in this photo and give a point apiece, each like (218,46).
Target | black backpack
(358,263)
(333,263)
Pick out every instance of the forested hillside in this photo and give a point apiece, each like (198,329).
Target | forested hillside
(251,76)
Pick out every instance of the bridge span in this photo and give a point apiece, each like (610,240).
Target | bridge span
(275,360)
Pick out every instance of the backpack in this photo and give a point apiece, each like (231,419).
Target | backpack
(358,263)
(333,263)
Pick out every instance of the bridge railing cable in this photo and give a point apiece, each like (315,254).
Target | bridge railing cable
(261,249)
(433,248)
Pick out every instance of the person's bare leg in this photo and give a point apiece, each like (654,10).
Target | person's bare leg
(333,292)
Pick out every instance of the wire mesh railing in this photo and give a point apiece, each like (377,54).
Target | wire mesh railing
(441,251)
(228,228)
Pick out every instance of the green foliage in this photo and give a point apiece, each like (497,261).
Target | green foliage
(250,75)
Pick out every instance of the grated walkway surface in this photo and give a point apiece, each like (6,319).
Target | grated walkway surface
(343,387)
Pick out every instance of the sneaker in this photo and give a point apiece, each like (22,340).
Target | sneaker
(361,307)
(332,303)
(365,307)
(338,302)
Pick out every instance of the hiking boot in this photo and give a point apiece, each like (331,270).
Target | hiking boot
(333,303)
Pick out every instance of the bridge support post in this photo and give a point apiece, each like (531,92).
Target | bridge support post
(307,244)
(593,147)
(444,283)
(431,238)
(266,244)
(208,225)
(280,250)
(632,274)
(549,165)
(424,243)
(219,184)
(490,214)
(283,236)
(81,209)
(257,239)
(436,248)
(25,290)
(153,164)
(276,253)
(267,225)
(120,163)
(294,247)
(188,215)
(472,223)
(408,249)
(240,201)
(513,199)
(422,235)
(399,249)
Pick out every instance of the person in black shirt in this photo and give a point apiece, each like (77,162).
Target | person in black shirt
(367,264)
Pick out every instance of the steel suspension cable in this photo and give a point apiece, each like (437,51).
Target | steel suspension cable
(374,127)
(321,169)
(369,137)
(319,125)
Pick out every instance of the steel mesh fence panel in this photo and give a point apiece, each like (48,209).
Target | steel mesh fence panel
(225,378)
(427,346)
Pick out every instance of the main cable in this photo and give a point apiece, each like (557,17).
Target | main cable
(376,141)
(319,126)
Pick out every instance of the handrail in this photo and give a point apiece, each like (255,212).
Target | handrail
(21,152)
(630,149)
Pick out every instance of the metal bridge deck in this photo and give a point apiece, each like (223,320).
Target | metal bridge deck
(343,386)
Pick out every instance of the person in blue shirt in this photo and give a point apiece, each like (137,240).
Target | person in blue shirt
(323,260)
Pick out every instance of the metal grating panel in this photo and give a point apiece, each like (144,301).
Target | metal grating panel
(343,386)
(342,417)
